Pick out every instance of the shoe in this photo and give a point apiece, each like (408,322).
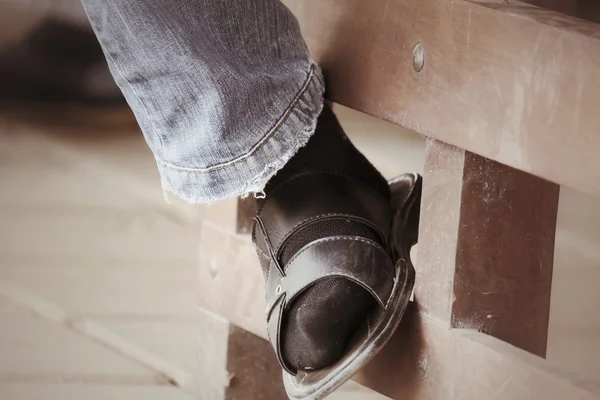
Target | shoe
(385,272)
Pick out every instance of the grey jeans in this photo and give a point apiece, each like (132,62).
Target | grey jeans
(224,91)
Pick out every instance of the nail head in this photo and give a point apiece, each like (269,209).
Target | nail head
(418,55)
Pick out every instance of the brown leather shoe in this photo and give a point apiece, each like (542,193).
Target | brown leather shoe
(385,272)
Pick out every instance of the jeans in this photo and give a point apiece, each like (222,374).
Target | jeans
(225,91)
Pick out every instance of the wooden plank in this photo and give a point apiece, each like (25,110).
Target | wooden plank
(438,231)
(431,362)
(235,364)
(486,247)
(428,360)
(230,280)
(211,378)
(590,10)
(585,9)
(569,7)
(253,368)
(511,82)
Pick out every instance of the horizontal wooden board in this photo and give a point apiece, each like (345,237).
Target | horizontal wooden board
(430,362)
(512,82)
(230,280)
(424,359)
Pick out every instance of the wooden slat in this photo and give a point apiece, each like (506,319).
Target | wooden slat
(254,373)
(486,247)
(429,362)
(424,359)
(230,280)
(586,9)
(569,7)
(235,364)
(211,377)
(511,82)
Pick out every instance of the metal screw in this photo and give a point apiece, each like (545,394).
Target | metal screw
(418,57)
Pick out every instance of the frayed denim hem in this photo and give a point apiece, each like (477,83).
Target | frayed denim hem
(248,174)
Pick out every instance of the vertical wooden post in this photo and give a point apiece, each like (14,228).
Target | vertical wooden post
(569,7)
(486,247)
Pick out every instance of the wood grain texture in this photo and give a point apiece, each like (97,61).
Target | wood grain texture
(511,82)
(569,7)
(423,360)
(230,279)
(254,371)
(486,247)
(505,253)
(430,362)
(438,230)
(211,377)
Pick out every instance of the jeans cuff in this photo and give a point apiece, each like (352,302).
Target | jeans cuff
(250,173)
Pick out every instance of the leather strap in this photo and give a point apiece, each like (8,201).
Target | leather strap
(309,198)
(352,257)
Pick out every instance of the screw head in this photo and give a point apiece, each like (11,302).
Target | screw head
(418,56)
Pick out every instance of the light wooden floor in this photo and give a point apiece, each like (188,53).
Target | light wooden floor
(97,271)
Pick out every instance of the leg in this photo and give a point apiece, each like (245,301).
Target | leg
(224,91)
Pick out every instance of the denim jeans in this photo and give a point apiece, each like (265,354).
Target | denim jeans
(225,91)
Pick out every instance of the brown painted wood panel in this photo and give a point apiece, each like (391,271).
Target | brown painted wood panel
(505,253)
(486,247)
(235,364)
(585,9)
(430,362)
(253,368)
(511,82)
(569,7)
(424,359)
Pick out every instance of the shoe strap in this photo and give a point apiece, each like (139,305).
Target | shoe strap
(312,197)
(354,258)
(306,199)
